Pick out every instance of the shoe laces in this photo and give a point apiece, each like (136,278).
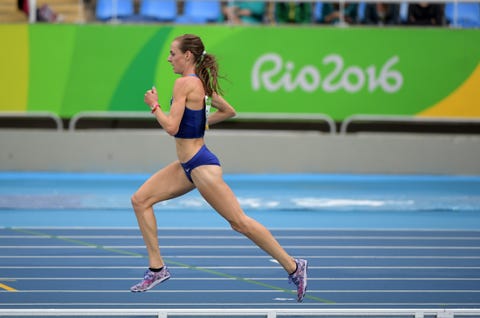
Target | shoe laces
(149,275)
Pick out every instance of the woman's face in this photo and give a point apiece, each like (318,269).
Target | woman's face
(177,58)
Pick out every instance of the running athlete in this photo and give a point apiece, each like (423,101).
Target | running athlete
(197,167)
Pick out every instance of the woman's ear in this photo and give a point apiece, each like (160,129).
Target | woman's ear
(188,55)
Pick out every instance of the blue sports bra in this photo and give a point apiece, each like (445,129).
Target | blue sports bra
(193,122)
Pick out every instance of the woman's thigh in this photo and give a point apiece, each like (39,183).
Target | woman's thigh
(209,182)
(167,183)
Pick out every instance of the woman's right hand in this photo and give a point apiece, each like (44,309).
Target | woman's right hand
(151,97)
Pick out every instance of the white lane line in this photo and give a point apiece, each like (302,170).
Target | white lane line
(245,267)
(248,291)
(46,247)
(229,247)
(114,278)
(302,247)
(242,257)
(72,256)
(235,237)
(216,304)
(229,230)
(440,279)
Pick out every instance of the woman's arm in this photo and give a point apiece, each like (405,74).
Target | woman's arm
(171,122)
(224,110)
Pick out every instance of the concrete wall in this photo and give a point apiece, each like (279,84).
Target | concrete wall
(144,151)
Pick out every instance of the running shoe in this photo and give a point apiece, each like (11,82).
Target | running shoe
(299,278)
(151,279)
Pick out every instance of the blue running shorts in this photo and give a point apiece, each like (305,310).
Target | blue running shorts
(202,158)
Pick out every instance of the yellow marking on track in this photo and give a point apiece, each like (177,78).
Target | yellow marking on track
(7,288)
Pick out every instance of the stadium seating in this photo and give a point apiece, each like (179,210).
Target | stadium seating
(113,9)
(69,11)
(317,11)
(159,10)
(404,12)
(468,14)
(196,11)
(361,12)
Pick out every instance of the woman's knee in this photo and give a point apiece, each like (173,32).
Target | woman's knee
(242,225)
(138,202)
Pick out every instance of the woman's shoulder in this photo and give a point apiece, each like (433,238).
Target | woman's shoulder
(188,85)
(188,80)
(184,82)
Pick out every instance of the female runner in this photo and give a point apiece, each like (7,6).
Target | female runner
(196,166)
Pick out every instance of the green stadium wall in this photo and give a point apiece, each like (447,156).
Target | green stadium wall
(68,69)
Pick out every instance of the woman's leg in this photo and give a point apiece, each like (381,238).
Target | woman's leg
(168,183)
(210,183)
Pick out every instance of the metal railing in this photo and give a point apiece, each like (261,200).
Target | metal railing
(286,117)
(268,313)
(34,115)
(321,119)
(107,115)
(359,118)
(289,117)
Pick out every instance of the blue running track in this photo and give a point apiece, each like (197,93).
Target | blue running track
(70,241)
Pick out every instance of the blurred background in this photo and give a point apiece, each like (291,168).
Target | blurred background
(361,79)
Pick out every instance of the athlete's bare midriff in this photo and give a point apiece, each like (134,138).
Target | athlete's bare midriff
(187,148)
